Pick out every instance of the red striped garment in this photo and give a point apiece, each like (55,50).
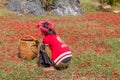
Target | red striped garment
(58,48)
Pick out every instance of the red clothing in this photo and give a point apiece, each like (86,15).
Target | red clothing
(58,48)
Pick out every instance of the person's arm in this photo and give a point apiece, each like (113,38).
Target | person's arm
(45,43)
(42,48)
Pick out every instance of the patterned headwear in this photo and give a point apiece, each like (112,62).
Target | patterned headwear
(44,26)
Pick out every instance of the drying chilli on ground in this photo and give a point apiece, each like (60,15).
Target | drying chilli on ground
(90,34)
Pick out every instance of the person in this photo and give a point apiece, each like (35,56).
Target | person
(60,52)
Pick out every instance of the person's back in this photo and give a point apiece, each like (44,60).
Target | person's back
(58,48)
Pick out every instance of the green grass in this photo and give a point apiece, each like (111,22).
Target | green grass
(22,71)
(89,5)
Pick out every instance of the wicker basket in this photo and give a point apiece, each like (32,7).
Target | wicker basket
(27,48)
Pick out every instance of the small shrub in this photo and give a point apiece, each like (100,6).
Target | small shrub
(89,5)
(110,2)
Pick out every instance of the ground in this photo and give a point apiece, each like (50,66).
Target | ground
(94,39)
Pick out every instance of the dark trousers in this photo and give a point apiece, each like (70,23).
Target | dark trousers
(45,61)
(63,64)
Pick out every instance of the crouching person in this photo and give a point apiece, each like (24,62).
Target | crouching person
(60,52)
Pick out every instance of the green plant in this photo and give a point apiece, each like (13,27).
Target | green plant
(47,4)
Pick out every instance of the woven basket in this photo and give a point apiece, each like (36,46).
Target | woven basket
(27,48)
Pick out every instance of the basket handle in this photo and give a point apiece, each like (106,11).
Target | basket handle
(37,42)
(32,37)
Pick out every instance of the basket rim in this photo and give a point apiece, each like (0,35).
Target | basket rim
(25,39)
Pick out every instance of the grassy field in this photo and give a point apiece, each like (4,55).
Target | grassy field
(94,39)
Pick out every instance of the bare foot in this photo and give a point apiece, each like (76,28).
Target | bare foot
(49,68)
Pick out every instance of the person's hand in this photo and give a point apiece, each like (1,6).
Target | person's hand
(37,42)
(38,55)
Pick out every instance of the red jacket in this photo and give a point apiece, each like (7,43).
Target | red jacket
(58,48)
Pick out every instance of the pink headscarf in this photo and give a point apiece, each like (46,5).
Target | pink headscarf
(41,28)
